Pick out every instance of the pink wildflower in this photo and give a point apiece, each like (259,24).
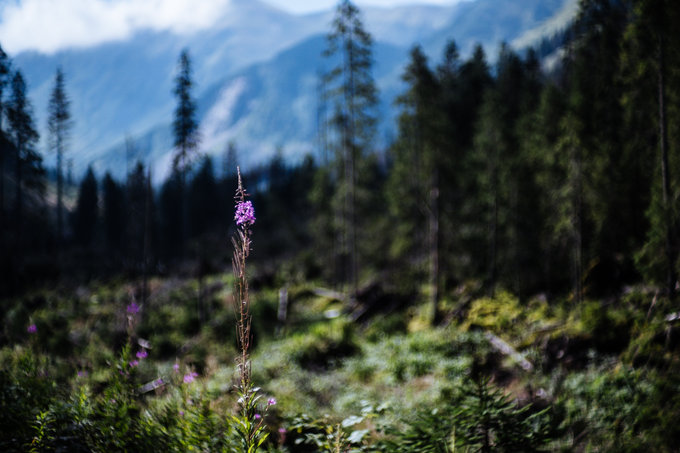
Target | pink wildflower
(133,308)
(189,378)
(245,213)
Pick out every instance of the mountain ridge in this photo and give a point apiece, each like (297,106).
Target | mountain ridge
(124,89)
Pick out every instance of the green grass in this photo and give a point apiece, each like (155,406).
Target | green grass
(605,373)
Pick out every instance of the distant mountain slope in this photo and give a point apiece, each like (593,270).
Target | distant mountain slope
(256,75)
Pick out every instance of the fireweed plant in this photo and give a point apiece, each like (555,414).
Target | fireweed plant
(250,422)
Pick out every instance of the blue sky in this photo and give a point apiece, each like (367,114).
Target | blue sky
(304,6)
(51,25)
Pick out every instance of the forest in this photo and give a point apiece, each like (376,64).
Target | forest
(502,276)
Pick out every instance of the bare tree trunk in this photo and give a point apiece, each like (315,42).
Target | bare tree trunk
(146,238)
(671,275)
(434,247)
(2,184)
(19,193)
(60,194)
(493,246)
(577,207)
(352,179)
(2,172)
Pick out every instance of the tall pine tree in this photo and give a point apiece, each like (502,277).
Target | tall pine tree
(185,129)
(351,89)
(23,135)
(650,59)
(113,217)
(59,125)
(86,214)
(414,184)
(5,71)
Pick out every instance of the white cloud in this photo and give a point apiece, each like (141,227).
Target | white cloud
(50,25)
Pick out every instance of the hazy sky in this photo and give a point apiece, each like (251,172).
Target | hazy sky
(50,25)
(304,6)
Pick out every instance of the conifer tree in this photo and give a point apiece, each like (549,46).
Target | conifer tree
(551,143)
(203,195)
(609,200)
(23,136)
(136,199)
(86,212)
(464,85)
(650,56)
(496,150)
(59,124)
(170,217)
(184,125)
(113,216)
(350,87)
(230,161)
(414,184)
(185,129)
(4,150)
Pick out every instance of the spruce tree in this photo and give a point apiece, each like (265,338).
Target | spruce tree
(5,66)
(649,62)
(203,195)
(113,216)
(351,89)
(136,202)
(23,136)
(185,129)
(171,218)
(86,212)
(184,125)
(59,125)
(496,155)
(464,86)
(414,184)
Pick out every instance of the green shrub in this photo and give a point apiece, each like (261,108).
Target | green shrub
(478,418)
(619,410)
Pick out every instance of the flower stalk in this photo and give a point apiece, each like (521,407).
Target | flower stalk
(245,217)
(250,423)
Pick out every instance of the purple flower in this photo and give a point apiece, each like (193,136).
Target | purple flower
(142,354)
(258,416)
(32,328)
(133,308)
(271,402)
(134,363)
(282,430)
(158,382)
(181,413)
(82,373)
(176,367)
(189,378)
(245,213)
